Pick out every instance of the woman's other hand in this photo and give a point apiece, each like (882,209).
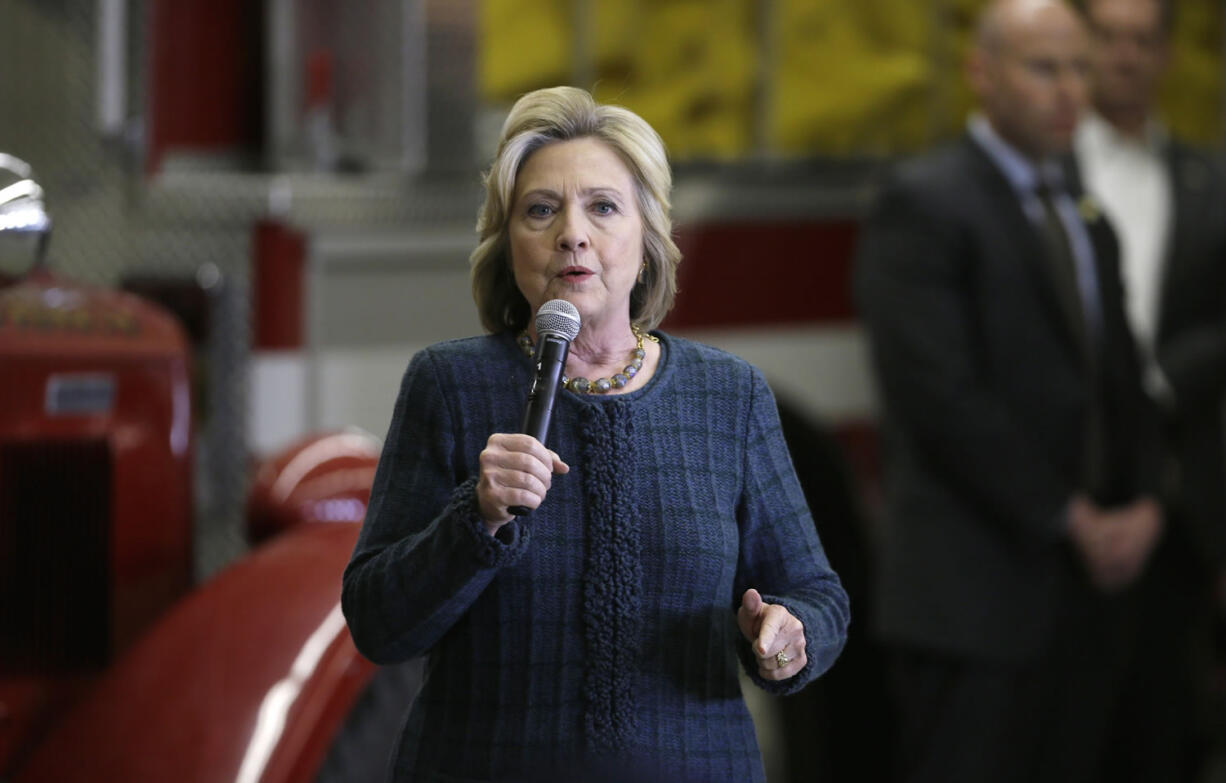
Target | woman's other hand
(516,470)
(774,634)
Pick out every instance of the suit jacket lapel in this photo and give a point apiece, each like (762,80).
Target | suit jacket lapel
(1106,259)
(1002,200)
(1188,189)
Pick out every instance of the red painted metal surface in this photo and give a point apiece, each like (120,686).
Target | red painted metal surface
(52,330)
(764,273)
(48,316)
(247,679)
(319,479)
(277,286)
(95,489)
(205,77)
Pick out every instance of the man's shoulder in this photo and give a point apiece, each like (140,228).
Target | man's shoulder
(945,182)
(1182,149)
(955,163)
(1195,166)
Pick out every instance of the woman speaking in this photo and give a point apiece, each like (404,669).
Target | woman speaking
(599,634)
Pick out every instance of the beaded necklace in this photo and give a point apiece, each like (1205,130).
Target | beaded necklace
(600,385)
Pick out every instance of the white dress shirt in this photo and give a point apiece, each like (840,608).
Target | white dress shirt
(1128,176)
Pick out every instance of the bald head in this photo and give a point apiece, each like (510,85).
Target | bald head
(1029,68)
(1002,18)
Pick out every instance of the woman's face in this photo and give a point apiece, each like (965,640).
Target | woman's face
(575,230)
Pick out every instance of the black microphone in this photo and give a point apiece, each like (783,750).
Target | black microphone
(557,323)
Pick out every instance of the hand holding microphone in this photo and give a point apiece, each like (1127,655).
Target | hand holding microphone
(516,470)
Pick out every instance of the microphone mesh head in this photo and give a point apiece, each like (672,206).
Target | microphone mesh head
(558,317)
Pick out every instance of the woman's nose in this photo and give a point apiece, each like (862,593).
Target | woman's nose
(572,235)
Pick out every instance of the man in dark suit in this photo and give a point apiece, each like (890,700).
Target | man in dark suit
(1021,481)
(1167,203)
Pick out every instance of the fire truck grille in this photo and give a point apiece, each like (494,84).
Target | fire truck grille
(55,519)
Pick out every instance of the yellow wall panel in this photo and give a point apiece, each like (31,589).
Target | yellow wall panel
(1192,93)
(616,28)
(851,77)
(833,77)
(522,46)
(691,75)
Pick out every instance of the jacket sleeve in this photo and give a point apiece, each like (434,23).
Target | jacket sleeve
(423,555)
(1194,359)
(914,290)
(1194,364)
(780,554)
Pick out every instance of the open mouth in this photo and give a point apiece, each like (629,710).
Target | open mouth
(574,273)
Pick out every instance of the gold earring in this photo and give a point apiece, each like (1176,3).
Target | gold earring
(642,271)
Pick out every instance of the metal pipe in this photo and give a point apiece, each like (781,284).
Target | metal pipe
(111,54)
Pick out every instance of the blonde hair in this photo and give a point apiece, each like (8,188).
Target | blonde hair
(558,114)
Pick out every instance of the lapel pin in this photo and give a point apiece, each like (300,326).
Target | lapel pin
(1087,207)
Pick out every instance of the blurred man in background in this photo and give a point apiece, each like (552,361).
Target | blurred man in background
(1167,203)
(1021,470)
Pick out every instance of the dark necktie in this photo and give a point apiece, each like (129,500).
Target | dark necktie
(1077,288)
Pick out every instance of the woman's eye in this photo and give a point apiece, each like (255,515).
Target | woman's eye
(604,208)
(540,210)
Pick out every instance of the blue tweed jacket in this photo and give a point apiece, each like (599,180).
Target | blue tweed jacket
(601,628)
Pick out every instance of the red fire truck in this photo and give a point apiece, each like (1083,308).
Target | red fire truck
(113,664)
